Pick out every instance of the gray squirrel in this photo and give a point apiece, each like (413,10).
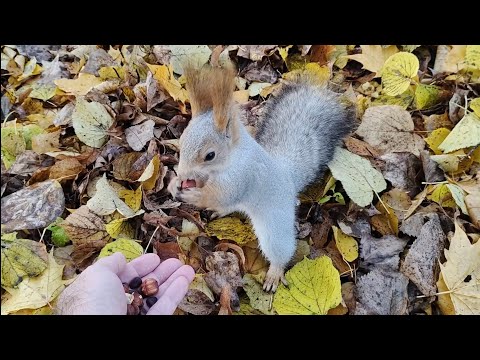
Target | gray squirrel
(224,169)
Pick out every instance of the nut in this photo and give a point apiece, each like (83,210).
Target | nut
(126,288)
(137,300)
(132,309)
(151,301)
(135,283)
(149,287)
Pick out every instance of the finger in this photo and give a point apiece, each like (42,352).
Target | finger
(185,271)
(115,262)
(167,304)
(139,267)
(164,270)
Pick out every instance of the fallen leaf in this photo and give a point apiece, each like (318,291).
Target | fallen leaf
(390,128)
(397,73)
(449,58)
(133,198)
(462,263)
(444,301)
(44,143)
(87,232)
(427,96)
(231,228)
(259,299)
(465,134)
(224,273)
(373,57)
(151,174)
(130,248)
(347,245)
(421,263)
(120,228)
(442,196)
(154,95)
(33,207)
(166,79)
(255,52)
(79,86)
(106,201)
(475,106)
(13,144)
(33,293)
(357,175)
(435,138)
(196,302)
(431,170)
(59,237)
(66,169)
(255,262)
(21,258)
(381,253)
(382,292)
(458,196)
(360,147)
(91,122)
(123,167)
(167,250)
(246,308)
(314,288)
(448,162)
(472,202)
(139,135)
(198,54)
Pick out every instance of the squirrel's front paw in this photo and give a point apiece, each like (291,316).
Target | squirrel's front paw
(275,274)
(174,187)
(192,196)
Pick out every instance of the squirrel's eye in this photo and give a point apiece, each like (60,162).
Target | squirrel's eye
(210,156)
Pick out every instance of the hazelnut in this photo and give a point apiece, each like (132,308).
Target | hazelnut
(149,287)
(137,299)
(132,309)
(126,288)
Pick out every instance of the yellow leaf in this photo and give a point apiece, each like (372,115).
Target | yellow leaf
(465,134)
(166,79)
(435,138)
(314,288)
(373,57)
(79,86)
(284,51)
(357,176)
(91,122)
(47,142)
(404,100)
(472,202)
(43,91)
(450,59)
(34,293)
(259,299)
(442,196)
(130,248)
(427,96)
(241,96)
(106,201)
(119,228)
(12,144)
(111,72)
(397,73)
(150,175)
(133,198)
(20,258)
(458,196)
(475,106)
(231,228)
(31,68)
(448,162)
(347,245)
(472,56)
(444,301)
(462,263)
(200,284)
(319,74)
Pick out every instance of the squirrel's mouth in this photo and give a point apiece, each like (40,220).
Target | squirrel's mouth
(189,183)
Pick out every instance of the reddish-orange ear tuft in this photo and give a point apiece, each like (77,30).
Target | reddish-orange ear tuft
(211,88)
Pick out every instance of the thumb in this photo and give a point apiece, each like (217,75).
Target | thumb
(115,262)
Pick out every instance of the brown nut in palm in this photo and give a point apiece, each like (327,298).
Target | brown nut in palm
(149,287)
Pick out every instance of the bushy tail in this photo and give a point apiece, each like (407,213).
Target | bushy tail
(303,125)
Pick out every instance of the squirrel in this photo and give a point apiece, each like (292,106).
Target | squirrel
(224,169)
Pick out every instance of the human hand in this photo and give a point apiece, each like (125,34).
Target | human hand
(99,289)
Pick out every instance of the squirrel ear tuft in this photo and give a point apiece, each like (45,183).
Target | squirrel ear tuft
(211,88)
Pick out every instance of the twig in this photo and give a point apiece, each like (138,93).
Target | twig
(149,241)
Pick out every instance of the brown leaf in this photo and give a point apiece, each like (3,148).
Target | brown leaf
(43,143)
(224,273)
(87,232)
(66,169)
(263,72)
(382,292)
(255,263)
(197,302)
(167,250)
(254,52)
(225,301)
(472,201)
(360,147)
(33,207)
(236,249)
(97,59)
(28,162)
(435,121)
(320,231)
(421,263)
(154,95)
(430,168)
(320,53)
(138,135)
(122,166)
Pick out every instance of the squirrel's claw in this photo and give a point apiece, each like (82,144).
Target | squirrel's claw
(274,275)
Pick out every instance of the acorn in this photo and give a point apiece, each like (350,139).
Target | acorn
(149,287)
(133,309)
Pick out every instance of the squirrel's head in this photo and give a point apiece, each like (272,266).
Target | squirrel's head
(206,143)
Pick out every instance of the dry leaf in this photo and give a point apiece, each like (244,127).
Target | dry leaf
(139,135)
(373,57)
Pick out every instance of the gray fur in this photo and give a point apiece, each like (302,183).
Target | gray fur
(262,179)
